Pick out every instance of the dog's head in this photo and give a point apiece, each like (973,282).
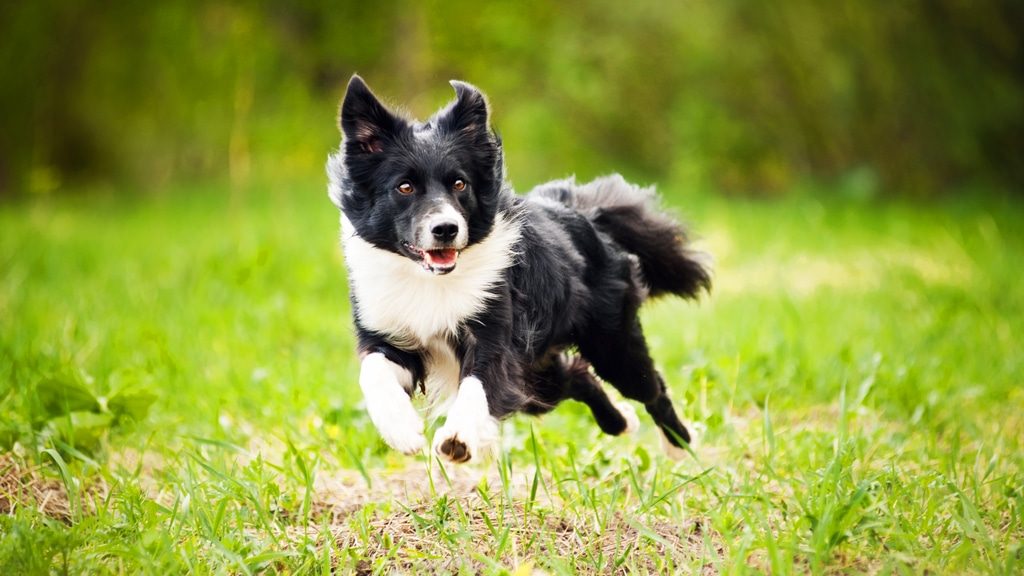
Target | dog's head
(425,190)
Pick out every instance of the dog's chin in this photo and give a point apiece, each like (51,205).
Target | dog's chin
(438,262)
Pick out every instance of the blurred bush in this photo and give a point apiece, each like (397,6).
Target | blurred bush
(914,97)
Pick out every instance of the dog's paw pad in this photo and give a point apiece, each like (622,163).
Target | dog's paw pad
(454,450)
(629,414)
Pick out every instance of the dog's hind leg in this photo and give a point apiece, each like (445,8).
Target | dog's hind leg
(621,358)
(664,414)
(612,417)
(570,377)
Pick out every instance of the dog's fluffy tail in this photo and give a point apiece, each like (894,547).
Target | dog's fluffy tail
(629,214)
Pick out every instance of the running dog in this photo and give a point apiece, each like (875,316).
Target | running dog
(488,302)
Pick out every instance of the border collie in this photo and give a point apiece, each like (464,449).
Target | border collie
(488,302)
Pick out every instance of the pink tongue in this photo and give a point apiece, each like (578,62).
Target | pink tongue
(442,257)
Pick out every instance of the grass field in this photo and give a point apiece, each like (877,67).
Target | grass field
(179,394)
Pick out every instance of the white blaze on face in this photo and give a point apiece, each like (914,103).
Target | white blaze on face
(443,213)
(439,236)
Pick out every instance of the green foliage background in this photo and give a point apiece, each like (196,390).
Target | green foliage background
(914,97)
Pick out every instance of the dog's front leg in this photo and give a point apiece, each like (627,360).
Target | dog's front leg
(387,389)
(488,391)
(469,430)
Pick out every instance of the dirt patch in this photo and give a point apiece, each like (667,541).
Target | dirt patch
(473,518)
(23,485)
(422,518)
(405,543)
(413,482)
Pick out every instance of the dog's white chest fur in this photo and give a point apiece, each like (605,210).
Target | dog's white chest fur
(396,297)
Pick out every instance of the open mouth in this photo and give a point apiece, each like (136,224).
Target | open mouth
(440,261)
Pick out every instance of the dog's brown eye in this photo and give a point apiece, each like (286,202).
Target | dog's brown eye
(405,189)
(459,185)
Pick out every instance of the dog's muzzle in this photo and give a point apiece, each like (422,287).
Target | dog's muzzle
(443,236)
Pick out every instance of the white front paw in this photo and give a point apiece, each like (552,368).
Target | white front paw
(460,441)
(401,428)
(470,431)
(451,446)
(385,386)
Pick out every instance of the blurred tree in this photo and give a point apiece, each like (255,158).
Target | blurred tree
(914,97)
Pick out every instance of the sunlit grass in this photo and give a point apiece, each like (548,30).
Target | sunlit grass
(178,376)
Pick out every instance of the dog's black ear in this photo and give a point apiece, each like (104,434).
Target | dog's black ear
(366,123)
(468,115)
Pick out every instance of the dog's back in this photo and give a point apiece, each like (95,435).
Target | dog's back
(629,215)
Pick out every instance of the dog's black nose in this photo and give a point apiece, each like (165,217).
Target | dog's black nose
(445,231)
